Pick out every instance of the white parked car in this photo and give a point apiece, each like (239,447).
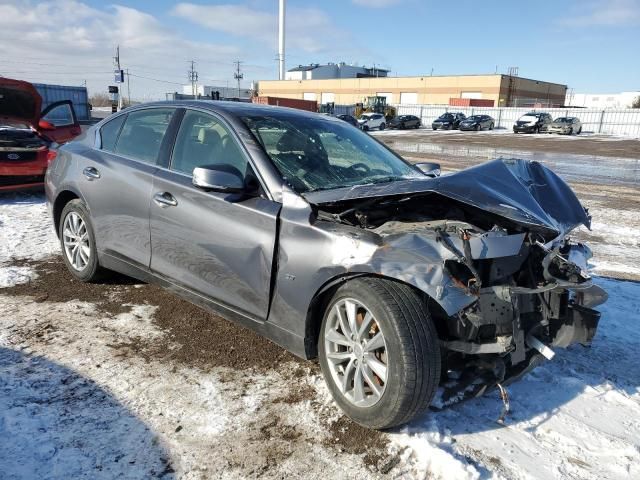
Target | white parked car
(369,121)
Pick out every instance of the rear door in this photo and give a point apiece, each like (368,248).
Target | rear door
(117,178)
(219,245)
(63,117)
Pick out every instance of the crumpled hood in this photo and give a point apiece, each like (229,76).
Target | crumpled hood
(526,192)
(19,102)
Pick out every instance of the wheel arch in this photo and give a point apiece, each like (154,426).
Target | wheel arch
(321,298)
(63,197)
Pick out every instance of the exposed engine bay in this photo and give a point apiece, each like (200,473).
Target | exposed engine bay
(527,283)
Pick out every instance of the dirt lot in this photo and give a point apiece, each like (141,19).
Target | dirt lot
(123,379)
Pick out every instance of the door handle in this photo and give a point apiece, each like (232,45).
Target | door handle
(165,199)
(91,173)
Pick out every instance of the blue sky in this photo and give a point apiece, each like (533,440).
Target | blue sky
(589,45)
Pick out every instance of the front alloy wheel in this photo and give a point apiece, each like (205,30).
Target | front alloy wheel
(379,351)
(356,352)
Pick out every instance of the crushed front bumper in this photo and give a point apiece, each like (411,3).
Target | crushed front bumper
(511,329)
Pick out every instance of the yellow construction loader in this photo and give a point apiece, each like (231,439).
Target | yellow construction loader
(375,105)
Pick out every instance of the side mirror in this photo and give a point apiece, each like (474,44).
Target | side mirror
(46,125)
(430,169)
(219,178)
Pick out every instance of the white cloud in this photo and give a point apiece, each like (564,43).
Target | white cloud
(308,29)
(605,13)
(67,42)
(376,3)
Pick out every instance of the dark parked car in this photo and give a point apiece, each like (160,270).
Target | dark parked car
(477,123)
(324,240)
(532,122)
(28,136)
(448,121)
(405,121)
(564,126)
(349,119)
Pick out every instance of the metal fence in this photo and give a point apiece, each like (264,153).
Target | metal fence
(612,122)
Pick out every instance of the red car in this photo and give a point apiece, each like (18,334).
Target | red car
(29,136)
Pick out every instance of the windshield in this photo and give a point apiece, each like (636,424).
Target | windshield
(475,118)
(322,154)
(446,116)
(562,120)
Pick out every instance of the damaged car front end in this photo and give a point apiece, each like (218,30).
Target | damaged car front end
(490,248)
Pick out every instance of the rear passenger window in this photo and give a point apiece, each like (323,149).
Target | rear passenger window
(202,140)
(109,133)
(143,132)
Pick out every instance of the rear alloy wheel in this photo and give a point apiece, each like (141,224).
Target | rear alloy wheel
(491,126)
(78,242)
(379,352)
(382,125)
(478,128)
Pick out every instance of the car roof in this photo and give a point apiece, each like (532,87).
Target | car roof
(236,109)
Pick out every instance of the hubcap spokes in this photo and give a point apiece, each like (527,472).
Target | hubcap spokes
(356,352)
(75,240)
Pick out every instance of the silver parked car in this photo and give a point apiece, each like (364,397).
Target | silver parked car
(565,126)
(322,239)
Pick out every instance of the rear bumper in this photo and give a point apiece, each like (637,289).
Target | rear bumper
(14,184)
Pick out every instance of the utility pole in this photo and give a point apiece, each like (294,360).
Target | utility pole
(238,76)
(192,75)
(116,61)
(281,39)
(128,89)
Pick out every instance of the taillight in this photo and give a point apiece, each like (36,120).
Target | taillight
(51,156)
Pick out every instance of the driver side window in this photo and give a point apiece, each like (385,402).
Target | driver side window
(204,141)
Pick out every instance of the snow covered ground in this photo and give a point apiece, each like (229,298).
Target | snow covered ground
(93,394)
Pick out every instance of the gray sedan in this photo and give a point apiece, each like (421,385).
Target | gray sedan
(322,239)
(565,126)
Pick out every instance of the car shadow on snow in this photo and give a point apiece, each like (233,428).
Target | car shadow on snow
(609,365)
(55,423)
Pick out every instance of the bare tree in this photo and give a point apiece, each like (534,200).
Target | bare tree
(100,100)
(636,103)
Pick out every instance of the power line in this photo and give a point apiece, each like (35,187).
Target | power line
(156,79)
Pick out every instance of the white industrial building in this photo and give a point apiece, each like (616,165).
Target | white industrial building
(602,100)
(315,71)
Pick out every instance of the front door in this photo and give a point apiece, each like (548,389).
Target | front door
(63,117)
(218,245)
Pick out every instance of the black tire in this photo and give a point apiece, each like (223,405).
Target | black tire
(412,349)
(491,126)
(434,128)
(382,125)
(478,128)
(579,131)
(365,128)
(92,271)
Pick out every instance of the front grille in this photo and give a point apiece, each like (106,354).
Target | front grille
(22,156)
(8,180)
